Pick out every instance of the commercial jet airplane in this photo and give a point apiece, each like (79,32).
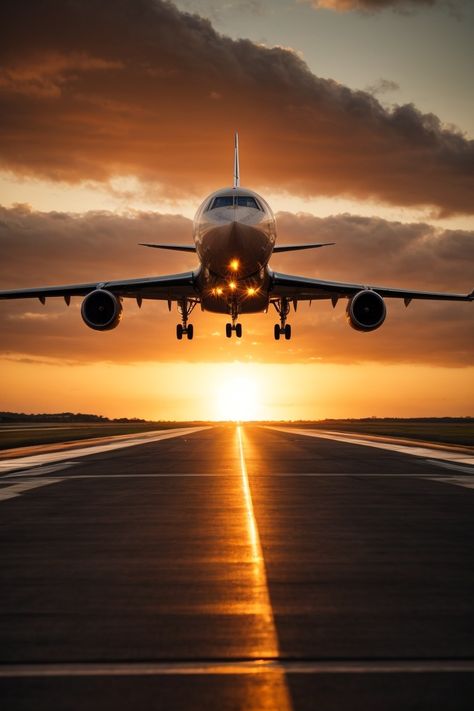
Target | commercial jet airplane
(234,238)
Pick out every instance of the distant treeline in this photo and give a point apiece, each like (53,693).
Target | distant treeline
(393,419)
(62,417)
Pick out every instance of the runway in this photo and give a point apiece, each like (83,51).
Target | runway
(237,567)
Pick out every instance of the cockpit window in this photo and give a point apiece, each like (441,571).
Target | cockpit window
(246,201)
(231,200)
(223,201)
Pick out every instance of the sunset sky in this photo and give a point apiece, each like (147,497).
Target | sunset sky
(356,123)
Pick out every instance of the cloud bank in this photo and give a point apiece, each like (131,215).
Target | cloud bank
(92,90)
(54,248)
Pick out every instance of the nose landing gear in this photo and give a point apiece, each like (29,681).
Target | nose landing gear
(282,329)
(185,307)
(237,327)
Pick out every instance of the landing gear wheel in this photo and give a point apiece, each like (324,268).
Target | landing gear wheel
(287,331)
(179,332)
(190,332)
(228,330)
(276,332)
(238,330)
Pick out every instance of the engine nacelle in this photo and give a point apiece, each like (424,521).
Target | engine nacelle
(366,311)
(101,310)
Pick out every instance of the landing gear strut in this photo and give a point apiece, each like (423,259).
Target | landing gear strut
(185,309)
(237,327)
(282,329)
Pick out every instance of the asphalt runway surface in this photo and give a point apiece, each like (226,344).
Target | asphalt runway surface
(238,567)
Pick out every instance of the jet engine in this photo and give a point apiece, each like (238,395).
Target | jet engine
(366,311)
(101,310)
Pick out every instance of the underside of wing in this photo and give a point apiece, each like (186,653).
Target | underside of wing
(170,287)
(305,289)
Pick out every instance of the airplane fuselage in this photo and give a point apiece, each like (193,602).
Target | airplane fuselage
(234,232)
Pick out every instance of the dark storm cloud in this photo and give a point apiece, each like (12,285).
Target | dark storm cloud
(383,86)
(54,248)
(134,87)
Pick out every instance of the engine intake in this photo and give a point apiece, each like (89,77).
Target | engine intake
(101,310)
(366,311)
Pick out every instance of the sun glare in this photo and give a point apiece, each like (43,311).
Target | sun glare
(237,398)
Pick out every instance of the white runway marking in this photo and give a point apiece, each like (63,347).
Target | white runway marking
(204,475)
(466,481)
(38,471)
(11,492)
(417,451)
(452,467)
(259,666)
(8,465)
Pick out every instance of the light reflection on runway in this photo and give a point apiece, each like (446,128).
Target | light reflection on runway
(276,692)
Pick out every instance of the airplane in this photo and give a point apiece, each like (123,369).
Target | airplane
(234,234)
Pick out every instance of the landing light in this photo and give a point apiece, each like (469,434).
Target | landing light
(251,291)
(219,291)
(232,285)
(234,265)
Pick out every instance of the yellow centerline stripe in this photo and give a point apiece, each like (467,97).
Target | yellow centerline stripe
(276,695)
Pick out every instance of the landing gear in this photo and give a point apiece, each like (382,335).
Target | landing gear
(282,329)
(185,308)
(237,327)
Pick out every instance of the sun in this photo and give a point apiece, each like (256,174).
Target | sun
(237,397)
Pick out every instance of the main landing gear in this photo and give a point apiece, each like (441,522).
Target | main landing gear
(185,308)
(282,328)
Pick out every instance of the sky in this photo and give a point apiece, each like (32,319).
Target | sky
(356,124)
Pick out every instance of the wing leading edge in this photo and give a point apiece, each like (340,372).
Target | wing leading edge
(172,287)
(305,289)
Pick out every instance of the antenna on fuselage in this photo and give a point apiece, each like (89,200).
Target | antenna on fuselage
(236,161)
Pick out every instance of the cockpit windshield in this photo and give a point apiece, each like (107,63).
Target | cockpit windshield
(223,201)
(238,200)
(246,201)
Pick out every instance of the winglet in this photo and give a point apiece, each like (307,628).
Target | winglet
(236,161)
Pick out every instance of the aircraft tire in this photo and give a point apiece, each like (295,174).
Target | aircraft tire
(190,332)
(238,330)
(276,332)
(287,331)
(179,332)
(228,330)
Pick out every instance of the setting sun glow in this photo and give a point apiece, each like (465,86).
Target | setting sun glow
(237,398)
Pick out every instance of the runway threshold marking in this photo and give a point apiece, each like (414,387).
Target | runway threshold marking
(8,465)
(237,667)
(277,696)
(11,492)
(417,451)
(25,481)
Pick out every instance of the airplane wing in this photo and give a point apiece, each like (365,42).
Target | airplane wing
(172,287)
(175,247)
(306,289)
(297,247)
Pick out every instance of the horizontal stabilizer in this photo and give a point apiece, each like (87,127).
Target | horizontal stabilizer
(175,247)
(296,247)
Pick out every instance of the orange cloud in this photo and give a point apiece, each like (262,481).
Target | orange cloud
(371,5)
(48,248)
(94,90)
